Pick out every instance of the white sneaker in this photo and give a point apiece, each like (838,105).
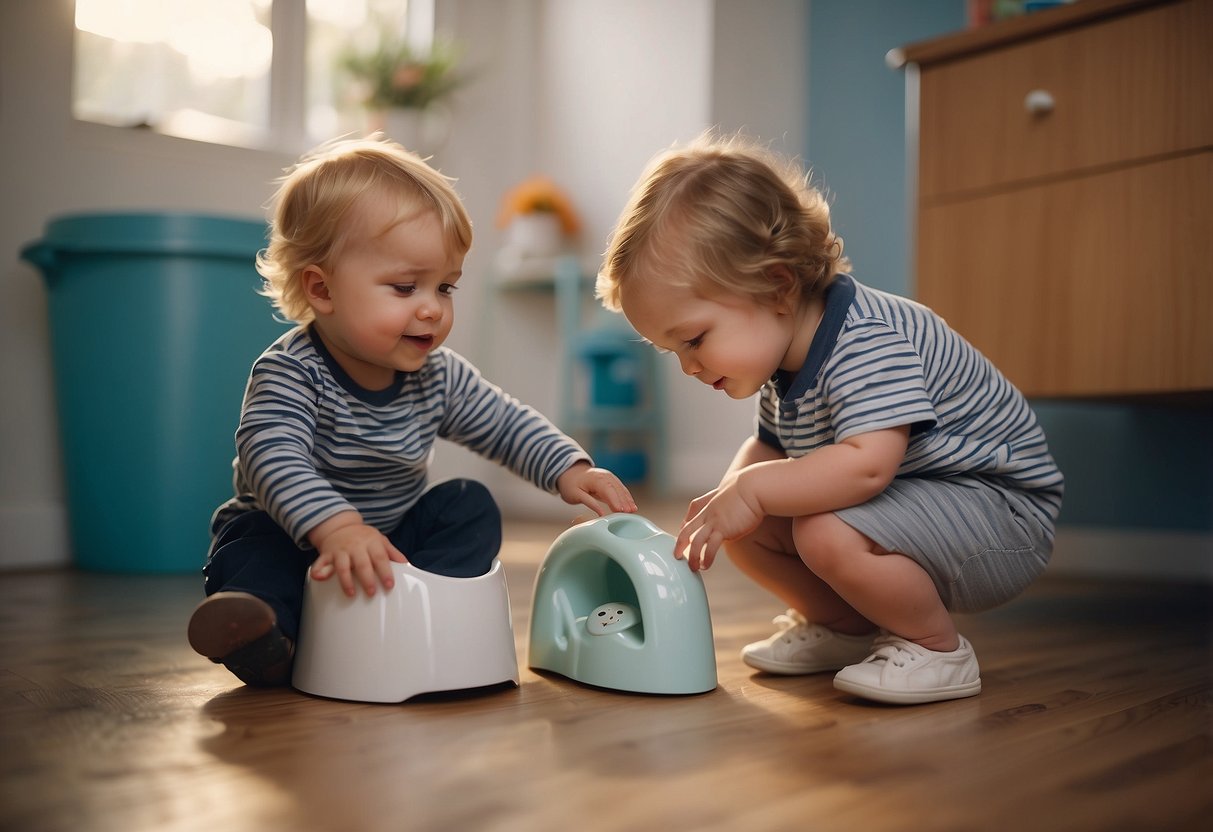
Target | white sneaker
(904,673)
(800,647)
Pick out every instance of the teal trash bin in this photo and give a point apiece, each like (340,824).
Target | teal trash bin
(155,321)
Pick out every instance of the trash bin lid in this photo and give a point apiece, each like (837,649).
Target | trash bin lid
(155,233)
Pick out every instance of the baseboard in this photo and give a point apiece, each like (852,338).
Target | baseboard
(34,536)
(1157,554)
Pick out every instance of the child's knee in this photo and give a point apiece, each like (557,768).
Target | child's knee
(825,543)
(467,498)
(479,498)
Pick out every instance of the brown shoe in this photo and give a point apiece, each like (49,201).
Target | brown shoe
(240,631)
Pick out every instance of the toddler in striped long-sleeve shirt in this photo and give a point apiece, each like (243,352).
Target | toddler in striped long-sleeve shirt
(894,476)
(341,413)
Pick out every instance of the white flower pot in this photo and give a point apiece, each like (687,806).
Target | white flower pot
(422,131)
(535,235)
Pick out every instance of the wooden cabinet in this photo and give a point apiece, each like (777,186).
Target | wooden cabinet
(1065,195)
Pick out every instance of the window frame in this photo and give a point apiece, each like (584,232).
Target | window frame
(287,128)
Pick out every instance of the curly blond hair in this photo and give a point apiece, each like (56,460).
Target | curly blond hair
(721,213)
(316,195)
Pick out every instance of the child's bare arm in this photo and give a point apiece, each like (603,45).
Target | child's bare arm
(352,550)
(848,473)
(751,452)
(829,478)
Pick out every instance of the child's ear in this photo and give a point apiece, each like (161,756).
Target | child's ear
(783,280)
(316,290)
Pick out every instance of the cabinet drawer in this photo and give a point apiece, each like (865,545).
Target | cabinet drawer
(1086,287)
(1125,88)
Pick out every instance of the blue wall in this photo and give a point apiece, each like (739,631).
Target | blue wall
(1130,467)
(857,123)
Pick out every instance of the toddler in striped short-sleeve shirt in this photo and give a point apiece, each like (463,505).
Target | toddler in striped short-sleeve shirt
(894,477)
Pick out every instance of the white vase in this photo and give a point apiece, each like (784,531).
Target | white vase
(422,131)
(535,235)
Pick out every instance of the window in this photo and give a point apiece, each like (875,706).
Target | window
(251,73)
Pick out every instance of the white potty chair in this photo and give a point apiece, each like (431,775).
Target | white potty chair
(428,633)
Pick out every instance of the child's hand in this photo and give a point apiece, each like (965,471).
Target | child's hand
(356,552)
(726,513)
(595,488)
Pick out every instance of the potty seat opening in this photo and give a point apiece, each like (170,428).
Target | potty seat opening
(592,581)
(629,527)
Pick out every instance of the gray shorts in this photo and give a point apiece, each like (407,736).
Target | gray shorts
(981,544)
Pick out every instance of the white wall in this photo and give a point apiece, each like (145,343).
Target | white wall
(621,82)
(584,90)
(616,85)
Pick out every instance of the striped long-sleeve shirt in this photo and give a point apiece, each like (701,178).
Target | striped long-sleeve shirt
(311,443)
(881,361)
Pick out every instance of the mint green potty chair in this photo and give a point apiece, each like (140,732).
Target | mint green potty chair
(614,608)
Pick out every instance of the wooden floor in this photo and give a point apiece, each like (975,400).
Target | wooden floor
(1096,715)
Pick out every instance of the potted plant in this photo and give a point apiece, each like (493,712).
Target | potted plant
(538,217)
(404,90)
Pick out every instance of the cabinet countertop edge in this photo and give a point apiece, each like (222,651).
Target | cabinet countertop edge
(1013,30)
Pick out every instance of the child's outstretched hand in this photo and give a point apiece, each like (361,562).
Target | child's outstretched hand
(595,488)
(725,513)
(354,552)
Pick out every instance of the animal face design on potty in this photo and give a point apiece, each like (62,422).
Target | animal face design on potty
(611,618)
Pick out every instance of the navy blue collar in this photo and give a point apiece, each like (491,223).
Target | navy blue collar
(838,299)
(372,397)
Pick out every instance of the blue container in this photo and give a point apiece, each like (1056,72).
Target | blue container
(631,465)
(155,321)
(614,379)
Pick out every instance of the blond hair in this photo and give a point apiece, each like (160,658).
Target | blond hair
(317,195)
(722,213)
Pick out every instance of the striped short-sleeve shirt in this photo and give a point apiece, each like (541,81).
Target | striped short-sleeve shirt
(312,443)
(880,361)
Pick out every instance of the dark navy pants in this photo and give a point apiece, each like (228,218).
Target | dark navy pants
(453,530)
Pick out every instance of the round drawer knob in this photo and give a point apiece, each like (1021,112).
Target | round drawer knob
(1039,102)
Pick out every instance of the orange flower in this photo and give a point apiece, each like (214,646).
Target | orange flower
(538,194)
(408,77)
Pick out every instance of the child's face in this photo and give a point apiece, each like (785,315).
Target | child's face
(728,341)
(385,303)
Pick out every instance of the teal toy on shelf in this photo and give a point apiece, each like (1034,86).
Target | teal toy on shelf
(615,609)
